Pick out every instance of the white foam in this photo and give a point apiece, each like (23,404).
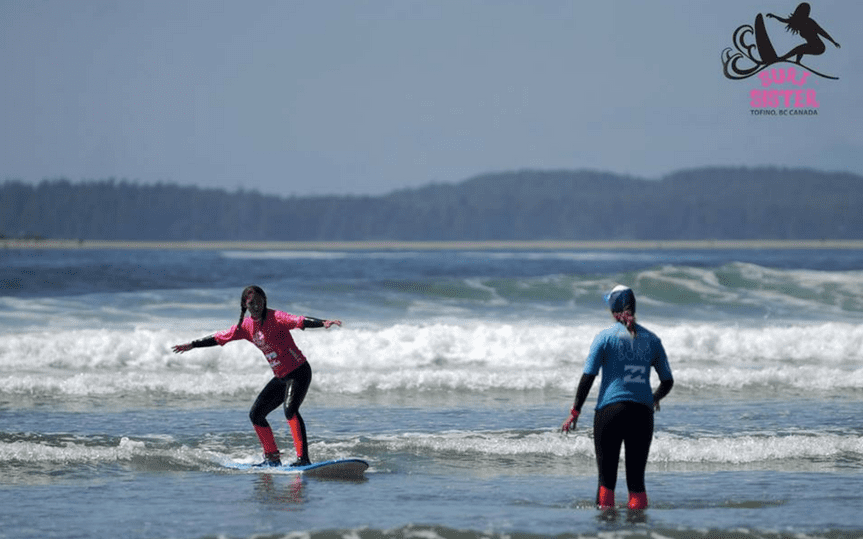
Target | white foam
(747,448)
(665,448)
(476,356)
(70,452)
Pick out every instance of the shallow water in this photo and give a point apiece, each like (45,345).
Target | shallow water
(450,376)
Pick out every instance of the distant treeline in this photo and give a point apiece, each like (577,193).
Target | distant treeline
(708,203)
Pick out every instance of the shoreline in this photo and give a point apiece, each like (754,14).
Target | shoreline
(502,245)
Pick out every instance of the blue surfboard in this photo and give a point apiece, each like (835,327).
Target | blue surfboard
(332,469)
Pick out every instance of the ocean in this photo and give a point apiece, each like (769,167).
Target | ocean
(451,376)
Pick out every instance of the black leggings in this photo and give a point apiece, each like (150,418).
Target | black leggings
(629,423)
(288,391)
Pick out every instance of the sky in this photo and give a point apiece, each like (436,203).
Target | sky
(365,97)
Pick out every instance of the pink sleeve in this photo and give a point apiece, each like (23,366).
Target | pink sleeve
(292,321)
(228,335)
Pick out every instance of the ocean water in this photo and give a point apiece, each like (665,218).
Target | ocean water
(451,375)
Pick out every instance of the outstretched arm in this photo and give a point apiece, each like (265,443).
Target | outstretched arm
(824,33)
(310,322)
(200,343)
(780,19)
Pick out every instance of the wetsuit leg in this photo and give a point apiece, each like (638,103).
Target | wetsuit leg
(298,383)
(621,423)
(637,437)
(609,425)
(270,398)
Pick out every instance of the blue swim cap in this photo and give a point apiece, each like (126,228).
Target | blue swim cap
(621,298)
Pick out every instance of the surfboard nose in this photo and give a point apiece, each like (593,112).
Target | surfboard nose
(762,42)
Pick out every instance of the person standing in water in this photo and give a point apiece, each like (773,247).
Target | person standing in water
(269,330)
(799,22)
(625,353)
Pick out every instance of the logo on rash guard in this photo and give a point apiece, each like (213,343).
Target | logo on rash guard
(269,353)
(637,375)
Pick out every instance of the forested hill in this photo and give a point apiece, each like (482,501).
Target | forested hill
(709,203)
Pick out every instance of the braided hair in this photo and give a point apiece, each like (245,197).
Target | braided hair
(627,318)
(246,292)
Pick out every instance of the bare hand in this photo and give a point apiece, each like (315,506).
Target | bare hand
(180,348)
(328,323)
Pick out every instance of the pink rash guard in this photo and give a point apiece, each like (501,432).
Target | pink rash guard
(273,338)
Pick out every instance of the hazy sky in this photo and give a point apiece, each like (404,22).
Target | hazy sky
(352,96)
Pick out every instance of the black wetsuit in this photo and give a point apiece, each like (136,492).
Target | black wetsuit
(289,392)
(630,423)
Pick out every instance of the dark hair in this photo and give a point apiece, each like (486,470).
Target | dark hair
(797,20)
(246,291)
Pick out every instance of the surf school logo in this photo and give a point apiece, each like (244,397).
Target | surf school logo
(782,91)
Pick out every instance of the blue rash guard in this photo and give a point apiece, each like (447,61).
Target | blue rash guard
(625,362)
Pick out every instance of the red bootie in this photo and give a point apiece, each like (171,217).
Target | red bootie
(637,500)
(605,498)
(298,431)
(268,442)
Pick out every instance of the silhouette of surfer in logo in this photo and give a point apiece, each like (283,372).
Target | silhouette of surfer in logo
(800,23)
(762,54)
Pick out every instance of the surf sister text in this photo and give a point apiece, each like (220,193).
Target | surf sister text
(802,98)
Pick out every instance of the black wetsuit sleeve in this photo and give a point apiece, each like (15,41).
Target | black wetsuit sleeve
(581,393)
(205,342)
(663,390)
(310,322)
